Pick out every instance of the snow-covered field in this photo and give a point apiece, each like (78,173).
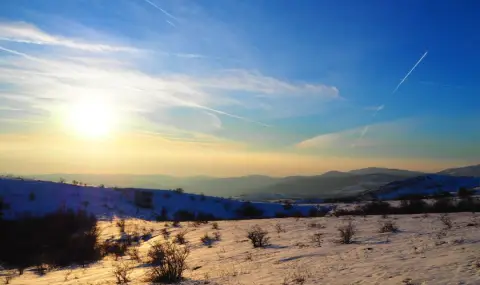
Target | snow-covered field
(37,198)
(422,252)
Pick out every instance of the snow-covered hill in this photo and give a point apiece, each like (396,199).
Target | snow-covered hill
(32,197)
(472,170)
(425,185)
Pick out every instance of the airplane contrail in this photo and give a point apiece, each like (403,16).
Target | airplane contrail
(366,128)
(411,70)
(161,10)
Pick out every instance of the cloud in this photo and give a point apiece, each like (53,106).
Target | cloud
(21,32)
(52,82)
(254,81)
(381,135)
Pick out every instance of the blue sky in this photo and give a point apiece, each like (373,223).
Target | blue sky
(301,82)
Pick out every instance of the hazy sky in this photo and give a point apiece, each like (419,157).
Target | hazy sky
(237,87)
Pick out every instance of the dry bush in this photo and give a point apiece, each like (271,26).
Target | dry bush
(217,236)
(180,237)
(298,276)
(441,234)
(134,254)
(165,234)
(215,226)
(8,277)
(41,268)
(176,224)
(446,221)
(317,239)
(168,262)
(258,236)
(207,240)
(280,229)
(115,248)
(388,226)
(121,225)
(316,225)
(122,270)
(346,233)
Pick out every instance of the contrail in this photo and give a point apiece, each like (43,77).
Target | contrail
(365,129)
(192,104)
(411,70)
(19,53)
(162,10)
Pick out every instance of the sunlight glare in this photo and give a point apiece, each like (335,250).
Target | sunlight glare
(91,119)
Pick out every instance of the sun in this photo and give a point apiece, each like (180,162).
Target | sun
(91,119)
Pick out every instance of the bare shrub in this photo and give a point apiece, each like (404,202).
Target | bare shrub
(69,272)
(176,224)
(280,229)
(346,233)
(446,221)
(134,254)
(115,248)
(41,268)
(299,276)
(168,262)
(179,191)
(388,226)
(180,237)
(441,234)
(258,236)
(8,277)
(122,270)
(217,236)
(215,226)
(121,225)
(207,240)
(165,234)
(316,225)
(317,239)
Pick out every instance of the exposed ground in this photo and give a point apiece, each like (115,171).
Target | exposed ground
(423,251)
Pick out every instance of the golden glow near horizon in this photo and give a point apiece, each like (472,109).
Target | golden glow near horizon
(90,119)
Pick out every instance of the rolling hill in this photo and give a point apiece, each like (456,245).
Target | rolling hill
(328,185)
(31,197)
(473,170)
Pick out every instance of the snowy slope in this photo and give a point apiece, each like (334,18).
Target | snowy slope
(472,170)
(40,197)
(425,185)
(422,252)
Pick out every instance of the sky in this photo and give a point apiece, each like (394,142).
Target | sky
(230,88)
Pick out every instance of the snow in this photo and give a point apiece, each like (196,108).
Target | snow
(426,185)
(417,253)
(107,203)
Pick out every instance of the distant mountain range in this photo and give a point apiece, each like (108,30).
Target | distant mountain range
(327,185)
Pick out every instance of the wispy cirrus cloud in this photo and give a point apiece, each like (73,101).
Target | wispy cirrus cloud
(21,32)
(381,134)
(44,80)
